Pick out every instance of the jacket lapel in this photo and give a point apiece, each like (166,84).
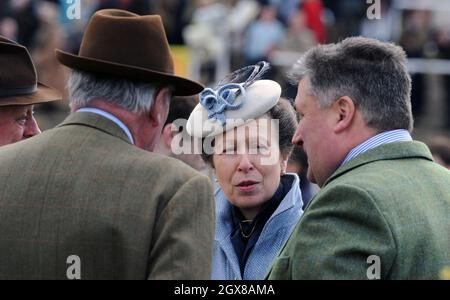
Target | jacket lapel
(97,122)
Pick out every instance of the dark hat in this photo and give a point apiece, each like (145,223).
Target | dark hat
(123,44)
(18,79)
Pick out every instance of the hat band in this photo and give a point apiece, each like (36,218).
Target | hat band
(9,92)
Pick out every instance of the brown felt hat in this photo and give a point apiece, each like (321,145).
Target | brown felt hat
(122,44)
(18,79)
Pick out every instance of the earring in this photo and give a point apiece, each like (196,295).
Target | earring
(283,170)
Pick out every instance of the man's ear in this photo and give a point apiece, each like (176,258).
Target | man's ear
(345,111)
(160,108)
(167,134)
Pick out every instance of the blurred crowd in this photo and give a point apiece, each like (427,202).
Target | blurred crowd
(223,35)
(226,34)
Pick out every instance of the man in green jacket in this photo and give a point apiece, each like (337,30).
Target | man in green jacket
(88,199)
(384,208)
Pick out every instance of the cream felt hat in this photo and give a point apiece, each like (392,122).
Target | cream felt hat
(233,104)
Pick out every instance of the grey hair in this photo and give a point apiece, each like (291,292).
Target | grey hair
(372,73)
(135,97)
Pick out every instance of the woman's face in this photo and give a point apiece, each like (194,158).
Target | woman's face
(241,165)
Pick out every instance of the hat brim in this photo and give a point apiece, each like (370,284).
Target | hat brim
(182,86)
(43,94)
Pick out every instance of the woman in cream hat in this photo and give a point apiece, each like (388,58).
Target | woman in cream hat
(249,130)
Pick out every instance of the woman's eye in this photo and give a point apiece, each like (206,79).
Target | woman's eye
(262,147)
(228,150)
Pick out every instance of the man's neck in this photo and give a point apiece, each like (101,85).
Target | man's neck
(381,138)
(136,123)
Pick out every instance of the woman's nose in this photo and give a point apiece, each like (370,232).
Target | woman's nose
(245,164)
(31,128)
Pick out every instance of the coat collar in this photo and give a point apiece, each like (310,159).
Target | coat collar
(396,150)
(96,121)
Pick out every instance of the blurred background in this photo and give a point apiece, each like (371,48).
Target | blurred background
(210,38)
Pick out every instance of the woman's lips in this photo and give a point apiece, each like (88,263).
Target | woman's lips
(247,186)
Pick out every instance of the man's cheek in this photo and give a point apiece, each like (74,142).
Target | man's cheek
(6,139)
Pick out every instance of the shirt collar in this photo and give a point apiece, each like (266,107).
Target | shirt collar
(398,135)
(109,117)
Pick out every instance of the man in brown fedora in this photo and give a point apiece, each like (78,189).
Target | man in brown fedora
(88,199)
(19,92)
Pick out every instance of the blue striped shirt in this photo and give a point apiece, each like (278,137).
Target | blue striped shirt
(399,135)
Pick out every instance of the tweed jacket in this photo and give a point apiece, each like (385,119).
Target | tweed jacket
(278,228)
(83,189)
(383,215)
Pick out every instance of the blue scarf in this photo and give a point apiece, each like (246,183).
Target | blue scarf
(245,234)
